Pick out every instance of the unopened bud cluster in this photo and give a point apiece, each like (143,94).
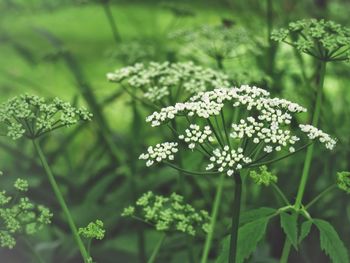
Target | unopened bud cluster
(169,214)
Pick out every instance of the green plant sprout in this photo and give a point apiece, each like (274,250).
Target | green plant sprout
(32,117)
(263,132)
(326,41)
(160,84)
(94,230)
(168,214)
(19,216)
(263,176)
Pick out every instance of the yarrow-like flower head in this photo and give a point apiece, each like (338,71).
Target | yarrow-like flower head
(325,40)
(32,116)
(169,213)
(231,144)
(161,83)
(20,216)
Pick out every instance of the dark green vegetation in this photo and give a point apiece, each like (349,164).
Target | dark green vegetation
(65,49)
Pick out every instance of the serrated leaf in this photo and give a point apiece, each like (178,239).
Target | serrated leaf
(290,227)
(255,214)
(305,230)
(249,236)
(331,244)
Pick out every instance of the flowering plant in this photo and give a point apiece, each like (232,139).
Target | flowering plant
(230,144)
(19,215)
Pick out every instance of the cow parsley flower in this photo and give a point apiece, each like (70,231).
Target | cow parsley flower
(161,152)
(263,131)
(160,83)
(20,216)
(169,214)
(194,134)
(32,116)
(325,40)
(218,42)
(314,133)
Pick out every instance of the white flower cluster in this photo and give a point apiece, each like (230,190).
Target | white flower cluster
(228,160)
(210,103)
(160,152)
(158,80)
(273,134)
(195,135)
(314,133)
(266,126)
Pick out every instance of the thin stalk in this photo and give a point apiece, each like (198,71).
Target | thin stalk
(61,201)
(111,21)
(235,218)
(309,153)
(315,120)
(214,215)
(319,196)
(157,249)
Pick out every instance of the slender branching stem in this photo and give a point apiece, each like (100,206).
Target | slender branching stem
(320,195)
(235,218)
(280,193)
(321,70)
(214,215)
(61,200)
(157,249)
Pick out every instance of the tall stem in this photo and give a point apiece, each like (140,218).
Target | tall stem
(321,70)
(156,249)
(235,218)
(315,119)
(214,215)
(111,21)
(61,201)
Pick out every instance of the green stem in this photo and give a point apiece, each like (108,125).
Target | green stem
(321,70)
(214,215)
(61,201)
(111,21)
(315,120)
(235,218)
(157,249)
(286,251)
(318,197)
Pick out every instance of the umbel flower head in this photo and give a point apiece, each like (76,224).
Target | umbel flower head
(324,40)
(169,214)
(20,216)
(216,41)
(93,230)
(229,143)
(343,181)
(32,116)
(165,83)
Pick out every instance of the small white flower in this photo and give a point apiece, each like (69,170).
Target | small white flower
(159,153)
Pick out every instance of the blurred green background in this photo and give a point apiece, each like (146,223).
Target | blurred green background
(65,48)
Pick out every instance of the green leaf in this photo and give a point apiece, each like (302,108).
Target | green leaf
(290,228)
(255,214)
(331,244)
(249,236)
(305,230)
